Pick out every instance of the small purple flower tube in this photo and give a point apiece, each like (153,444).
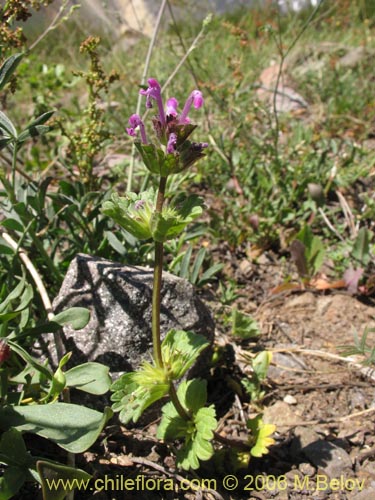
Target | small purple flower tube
(134,122)
(154,92)
(171,108)
(195,99)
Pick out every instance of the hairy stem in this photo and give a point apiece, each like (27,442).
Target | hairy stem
(156,291)
(176,403)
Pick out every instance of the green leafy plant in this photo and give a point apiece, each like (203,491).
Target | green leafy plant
(361,346)
(150,215)
(30,390)
(253,385)
(29,393)
(308,253)
(243,325)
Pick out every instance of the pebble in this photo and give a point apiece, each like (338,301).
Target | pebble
(290,400)
(307,469)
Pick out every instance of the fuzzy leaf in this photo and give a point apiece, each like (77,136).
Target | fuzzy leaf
(243,325)
(180,351)
(136,391)
(197,432)
(173,220)
(261,364)
(132,212)
(155,160)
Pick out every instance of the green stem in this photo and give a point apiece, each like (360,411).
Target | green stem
(14,163)
(158,269)
(156,291)
(176,403)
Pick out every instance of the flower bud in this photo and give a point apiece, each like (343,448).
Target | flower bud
(4,351)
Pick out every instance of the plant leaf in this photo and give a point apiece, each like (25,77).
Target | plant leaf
(73,427)
(361,247)
(260,436)
(11,481)
(89,377)
(6,125)
(76,317)
(180,351)
(8,68)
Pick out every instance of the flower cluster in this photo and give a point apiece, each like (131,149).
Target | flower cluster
(172,129)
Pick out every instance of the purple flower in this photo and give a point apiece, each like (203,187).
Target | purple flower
(139,204)
(134,122)
(195,99)
(172,141)
(171,109)
(154,92)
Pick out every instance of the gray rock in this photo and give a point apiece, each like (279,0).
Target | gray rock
(119,299)
(328,458)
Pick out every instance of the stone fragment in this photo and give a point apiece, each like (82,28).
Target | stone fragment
(290,400)
(287,99)
(281,415)
(306,469)
(119,298)
(328,458)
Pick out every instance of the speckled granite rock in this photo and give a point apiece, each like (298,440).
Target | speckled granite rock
(119,299)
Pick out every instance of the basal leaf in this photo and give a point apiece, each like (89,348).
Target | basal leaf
(194,394)
(89,377)
(73,427)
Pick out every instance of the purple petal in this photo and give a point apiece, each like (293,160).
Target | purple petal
(171,108)
(135,120)
(197,99)
(131,132)
(172,141)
